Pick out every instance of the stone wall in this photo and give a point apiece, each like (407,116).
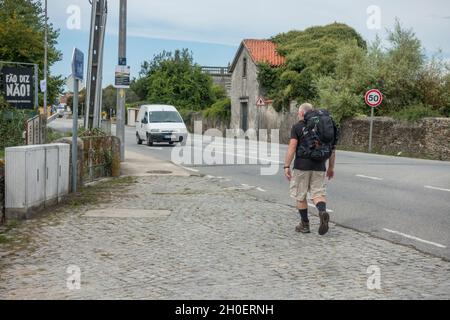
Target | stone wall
(427,138)
(207,124)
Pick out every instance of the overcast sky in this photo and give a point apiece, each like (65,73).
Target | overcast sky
(213,29)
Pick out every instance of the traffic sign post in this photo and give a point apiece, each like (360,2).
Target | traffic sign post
(259,104)
(373,99)
(77,73)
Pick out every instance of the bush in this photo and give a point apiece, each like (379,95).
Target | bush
(186,114)
(176,80)
(309,54)
(416,112)
(53,135)
(340,101)
(219,92)
(95,132)
(12,125)
(221,110)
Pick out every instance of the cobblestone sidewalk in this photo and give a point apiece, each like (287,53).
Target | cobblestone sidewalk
(214,242)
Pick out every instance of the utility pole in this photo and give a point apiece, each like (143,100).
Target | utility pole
(120,126)
(95,64)
(45,58)
(75,136)
(77,73)
(44,118)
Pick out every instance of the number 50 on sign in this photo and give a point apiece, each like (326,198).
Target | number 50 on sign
(373,98)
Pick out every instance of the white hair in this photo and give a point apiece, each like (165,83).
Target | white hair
(305,107)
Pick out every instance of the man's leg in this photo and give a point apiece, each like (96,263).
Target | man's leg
(299,189)
(318,190)
(303,226)
(303,210)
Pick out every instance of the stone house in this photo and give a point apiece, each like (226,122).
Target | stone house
(245,88)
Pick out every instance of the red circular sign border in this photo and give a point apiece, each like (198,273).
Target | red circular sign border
(378,103)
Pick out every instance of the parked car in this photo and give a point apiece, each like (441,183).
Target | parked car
(160,123)
(60,111)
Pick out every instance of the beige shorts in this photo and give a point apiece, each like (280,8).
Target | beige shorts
(308,181)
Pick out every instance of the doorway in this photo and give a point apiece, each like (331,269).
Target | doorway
(244,116)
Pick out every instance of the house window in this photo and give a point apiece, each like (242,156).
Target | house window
(244,68)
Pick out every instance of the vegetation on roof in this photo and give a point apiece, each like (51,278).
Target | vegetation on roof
(332,66)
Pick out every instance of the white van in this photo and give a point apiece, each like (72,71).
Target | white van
(160,123)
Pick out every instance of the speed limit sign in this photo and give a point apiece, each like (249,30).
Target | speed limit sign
(373,98)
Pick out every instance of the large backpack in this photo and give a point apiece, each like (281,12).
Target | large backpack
(319,135)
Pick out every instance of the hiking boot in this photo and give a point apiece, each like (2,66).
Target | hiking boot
(324,219)
(303,227)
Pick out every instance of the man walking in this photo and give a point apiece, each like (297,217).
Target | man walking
(313,143)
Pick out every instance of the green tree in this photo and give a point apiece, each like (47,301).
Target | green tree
(401,68)
(412,86)
(22,25)
(173,78)
(109,98)
(139,87)
(309,54)
(81,101)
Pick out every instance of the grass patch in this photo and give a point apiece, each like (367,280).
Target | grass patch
(91,195)
(9,226)
(2,153)
(12,224)
(3,239)
(53,135)
(98,192)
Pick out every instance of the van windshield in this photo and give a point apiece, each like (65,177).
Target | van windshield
(165,117)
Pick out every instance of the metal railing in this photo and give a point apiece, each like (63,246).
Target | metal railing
(217,71)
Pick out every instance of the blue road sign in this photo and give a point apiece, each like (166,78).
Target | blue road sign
(78,64)
(122,61)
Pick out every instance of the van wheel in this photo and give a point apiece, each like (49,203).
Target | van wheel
(138,139)
(149,140)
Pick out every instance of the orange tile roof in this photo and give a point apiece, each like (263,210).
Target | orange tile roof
(264,51)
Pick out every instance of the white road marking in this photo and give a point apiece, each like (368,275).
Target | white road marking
(155,148)
(190,169)
(259,159)
(313,206)
(261,189)
(436,188)
(415,238)
(367,177)
(210,177)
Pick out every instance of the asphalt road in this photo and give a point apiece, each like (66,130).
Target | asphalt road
(404,200)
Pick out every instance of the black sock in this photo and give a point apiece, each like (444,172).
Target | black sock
(304,214)
(321,206)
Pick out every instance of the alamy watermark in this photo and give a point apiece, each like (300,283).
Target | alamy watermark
(235,147)
(73,22)
(73,281)
(374,279)
(374,17)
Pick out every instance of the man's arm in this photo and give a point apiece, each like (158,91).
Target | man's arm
(289,157)
(331,162)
